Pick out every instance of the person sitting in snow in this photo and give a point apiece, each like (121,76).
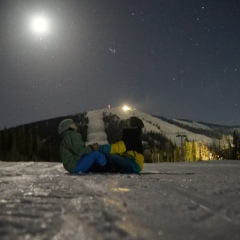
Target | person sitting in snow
(75,155)
(126,155)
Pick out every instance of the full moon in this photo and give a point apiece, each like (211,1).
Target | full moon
(40,25)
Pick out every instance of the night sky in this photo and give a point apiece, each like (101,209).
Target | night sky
(171,58)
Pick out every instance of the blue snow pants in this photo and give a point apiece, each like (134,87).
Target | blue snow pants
(122,164)
(88,160)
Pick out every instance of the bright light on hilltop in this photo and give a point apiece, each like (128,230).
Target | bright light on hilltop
(126,108)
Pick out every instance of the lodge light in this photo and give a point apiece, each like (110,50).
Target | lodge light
(126,108)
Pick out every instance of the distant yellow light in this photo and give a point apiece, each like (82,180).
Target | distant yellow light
(126,108)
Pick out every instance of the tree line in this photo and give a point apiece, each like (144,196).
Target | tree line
(158,148)
(40,142)
(37,141)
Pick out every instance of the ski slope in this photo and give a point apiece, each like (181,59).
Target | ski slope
(154,124)
(96,129)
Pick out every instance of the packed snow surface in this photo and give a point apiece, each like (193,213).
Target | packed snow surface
(199,200)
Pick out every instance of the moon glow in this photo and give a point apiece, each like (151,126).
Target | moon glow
(40,25)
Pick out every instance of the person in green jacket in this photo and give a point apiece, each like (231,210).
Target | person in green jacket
(75,155)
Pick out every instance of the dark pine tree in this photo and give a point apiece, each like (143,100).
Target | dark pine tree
(236,146)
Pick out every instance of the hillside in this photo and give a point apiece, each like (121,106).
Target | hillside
(170,128)
(40,140)
(157,125)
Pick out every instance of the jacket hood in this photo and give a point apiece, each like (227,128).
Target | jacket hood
(64,125)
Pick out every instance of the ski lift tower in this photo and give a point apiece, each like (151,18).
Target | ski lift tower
(182,135)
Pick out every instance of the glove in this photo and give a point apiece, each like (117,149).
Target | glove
(95,146)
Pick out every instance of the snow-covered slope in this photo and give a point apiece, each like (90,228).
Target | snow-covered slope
(193,124)
(96,131)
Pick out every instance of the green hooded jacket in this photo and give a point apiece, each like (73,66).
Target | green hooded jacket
(72,148)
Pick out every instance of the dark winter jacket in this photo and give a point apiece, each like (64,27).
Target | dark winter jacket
(72,148)
(129,146)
